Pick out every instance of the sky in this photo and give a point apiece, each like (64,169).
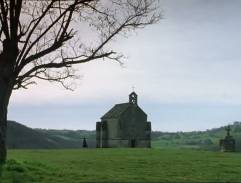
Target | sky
(186,71)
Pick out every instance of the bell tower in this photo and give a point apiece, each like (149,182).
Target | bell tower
(133,98)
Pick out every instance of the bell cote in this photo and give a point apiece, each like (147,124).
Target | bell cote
(133,98)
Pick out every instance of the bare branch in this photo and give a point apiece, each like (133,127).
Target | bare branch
(48,38)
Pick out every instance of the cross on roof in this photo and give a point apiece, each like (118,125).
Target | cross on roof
(133,88)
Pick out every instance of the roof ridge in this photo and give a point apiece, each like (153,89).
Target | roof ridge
(116,111)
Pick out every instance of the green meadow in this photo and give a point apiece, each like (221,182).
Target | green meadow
(121,165)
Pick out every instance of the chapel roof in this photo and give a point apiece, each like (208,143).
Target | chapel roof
(116,111)
(119,109)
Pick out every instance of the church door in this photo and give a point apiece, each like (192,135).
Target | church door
(133,143)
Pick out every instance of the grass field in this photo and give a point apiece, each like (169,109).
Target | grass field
(121,165)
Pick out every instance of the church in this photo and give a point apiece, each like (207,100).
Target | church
(125,125)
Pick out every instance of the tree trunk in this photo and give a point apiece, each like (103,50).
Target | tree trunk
(5,93)
(7,60)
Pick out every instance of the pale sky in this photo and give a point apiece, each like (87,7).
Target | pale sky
(186,71)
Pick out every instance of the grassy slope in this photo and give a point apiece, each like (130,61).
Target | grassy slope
(206,140)
(23,137)
(121,165)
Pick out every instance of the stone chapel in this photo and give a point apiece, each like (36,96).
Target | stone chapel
(125,125)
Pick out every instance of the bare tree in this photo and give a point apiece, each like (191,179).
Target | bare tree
(44,39)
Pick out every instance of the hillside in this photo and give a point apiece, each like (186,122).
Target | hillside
(20,136)
(70,138)
(208,140)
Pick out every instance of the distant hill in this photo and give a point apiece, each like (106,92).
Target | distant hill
(20,136)
(208,139)
(70,138)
